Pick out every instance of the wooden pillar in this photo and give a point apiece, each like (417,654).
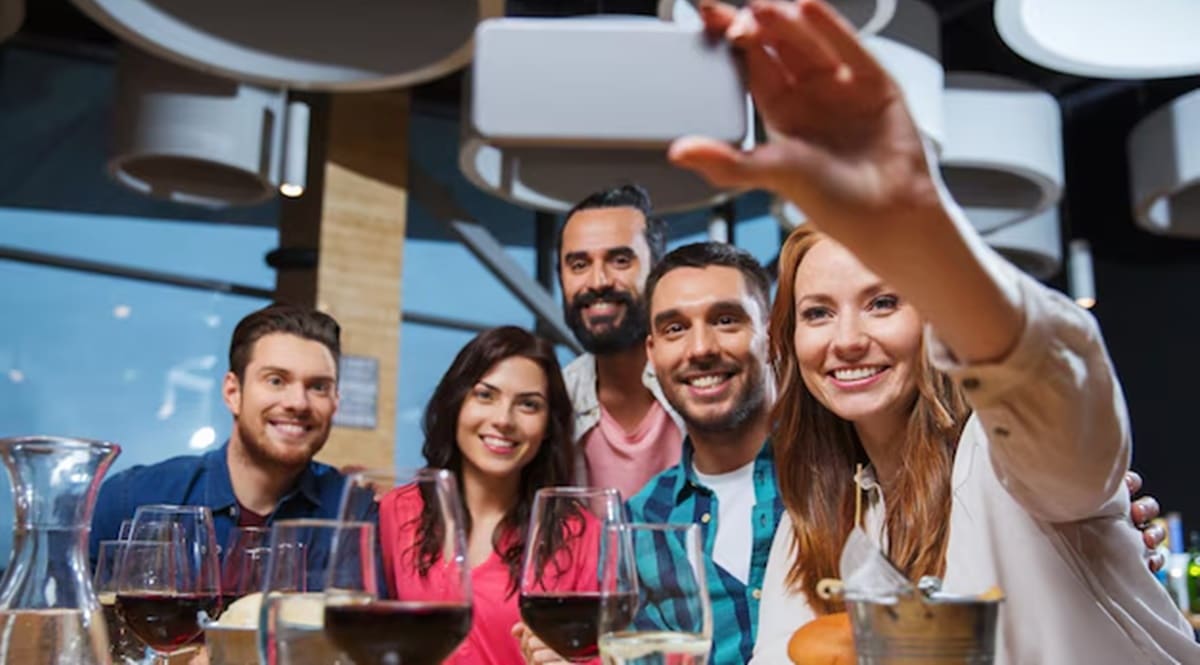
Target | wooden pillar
(357,218)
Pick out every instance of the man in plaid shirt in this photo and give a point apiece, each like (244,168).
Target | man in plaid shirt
(708,344)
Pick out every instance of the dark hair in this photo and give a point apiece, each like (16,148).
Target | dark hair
(704,254)
(625,196)
(553,464)
(297,320)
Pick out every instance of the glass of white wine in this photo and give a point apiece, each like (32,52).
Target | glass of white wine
(673,621)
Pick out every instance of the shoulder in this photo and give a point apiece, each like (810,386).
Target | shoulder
(167,471)
(326,475)
(656,499)
(580,375)
(401,503)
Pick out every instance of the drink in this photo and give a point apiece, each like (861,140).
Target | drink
(569,623)
(385,632)
(654,648)
(112,619)
(165,622)
(56,636)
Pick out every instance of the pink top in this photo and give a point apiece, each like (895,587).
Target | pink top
(628,460)
(494,610)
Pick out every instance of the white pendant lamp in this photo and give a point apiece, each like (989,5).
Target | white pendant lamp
(1104,38)
(12,14)
(1033,245)
(558,108)
(193,138)
(909,48)
(1164,168)
(1002,160)
(868,16)
(1081,278)
(303,44)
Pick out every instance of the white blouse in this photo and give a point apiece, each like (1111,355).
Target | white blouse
(1039,506)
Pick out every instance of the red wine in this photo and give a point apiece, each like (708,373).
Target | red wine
(165,621)
(570,623)
(397,631)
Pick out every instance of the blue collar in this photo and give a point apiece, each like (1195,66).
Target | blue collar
(687,481)
(219,486)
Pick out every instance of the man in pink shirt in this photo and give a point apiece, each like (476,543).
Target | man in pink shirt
(625,431)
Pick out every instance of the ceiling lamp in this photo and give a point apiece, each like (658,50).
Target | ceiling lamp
(12,14)
(1164,167)
(1033,245)
(303,44)
(868,16)
(1081,278)
(909,48)
(1104,38)
(1002,159)
(558,108)
(194,138)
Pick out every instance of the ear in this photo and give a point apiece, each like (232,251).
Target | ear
(231,392)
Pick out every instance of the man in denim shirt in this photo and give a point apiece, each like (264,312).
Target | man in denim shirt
(282,391)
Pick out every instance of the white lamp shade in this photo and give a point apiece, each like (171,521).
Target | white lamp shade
(194,138)
(12,14)
(1104,38)
(1033,245)
(1164,156)
(1002,160)
(303,44)
(868,16)
(909,48)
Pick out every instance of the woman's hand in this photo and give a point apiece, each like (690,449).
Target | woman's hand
(534,649)
(843,146)
(1142,511)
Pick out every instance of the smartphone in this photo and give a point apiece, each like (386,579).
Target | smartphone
(613,82)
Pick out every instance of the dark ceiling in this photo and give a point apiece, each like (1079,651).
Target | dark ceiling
(1098,114)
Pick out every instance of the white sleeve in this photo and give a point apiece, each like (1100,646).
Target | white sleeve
(782,610)
(1053,411)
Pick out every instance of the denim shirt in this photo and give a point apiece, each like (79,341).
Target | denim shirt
(203,480)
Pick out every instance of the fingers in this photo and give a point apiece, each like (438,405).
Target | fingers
(1133,480)
(801,49)
(1155,561)
(1143,510)
(717,16)
(1154,536)
(727,167)
(840,37)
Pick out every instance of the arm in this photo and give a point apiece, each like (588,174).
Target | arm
(112,506)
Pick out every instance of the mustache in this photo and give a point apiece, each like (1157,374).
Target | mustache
(715,366)
(607,294)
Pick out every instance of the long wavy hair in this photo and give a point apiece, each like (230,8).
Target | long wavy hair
(816,453)
(552,465)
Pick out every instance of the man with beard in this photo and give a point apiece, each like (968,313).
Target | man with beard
(708,306)
(281,388)
(624,430)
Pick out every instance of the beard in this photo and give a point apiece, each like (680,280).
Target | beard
(747,404)
(630,330)
(265,455)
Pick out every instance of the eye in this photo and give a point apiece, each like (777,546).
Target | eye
(670,329)
(322,387)
(530,405)
(622,261)
(484,394)
(576,265)
(274,380)
(814,314)
(725,320)
(885,303)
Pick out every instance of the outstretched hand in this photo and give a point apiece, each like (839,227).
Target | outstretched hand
(842,146)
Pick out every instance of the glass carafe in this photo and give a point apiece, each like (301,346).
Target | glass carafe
(49,614)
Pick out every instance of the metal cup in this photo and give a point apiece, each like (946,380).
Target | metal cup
(915,628)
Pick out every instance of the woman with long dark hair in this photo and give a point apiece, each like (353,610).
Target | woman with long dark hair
(500,420)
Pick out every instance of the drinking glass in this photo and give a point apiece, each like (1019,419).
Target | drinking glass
(168,577)
(428,614)
(122,645)
(562,596)
(673,623)
(242,563)
(292,621)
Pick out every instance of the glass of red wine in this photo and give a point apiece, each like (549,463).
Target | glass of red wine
(423,619)
(243,563)
(168,578)
(123,646)
(566,552)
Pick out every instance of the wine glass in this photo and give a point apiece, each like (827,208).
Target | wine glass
(673,622)
(561,593)
(427,613)
(122,645)
(168,578)
(242,563)
(291,625)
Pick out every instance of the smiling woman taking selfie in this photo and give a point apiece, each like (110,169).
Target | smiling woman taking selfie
(984,405)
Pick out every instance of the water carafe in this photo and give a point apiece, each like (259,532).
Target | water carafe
(49,614)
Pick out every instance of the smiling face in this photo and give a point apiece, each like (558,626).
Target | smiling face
(283,409)
(708,345)
(503,419)
(858,344)
(603,265)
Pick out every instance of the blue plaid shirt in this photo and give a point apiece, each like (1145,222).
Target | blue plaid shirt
(676,496)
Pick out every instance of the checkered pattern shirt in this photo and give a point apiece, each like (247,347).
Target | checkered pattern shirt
(677,496)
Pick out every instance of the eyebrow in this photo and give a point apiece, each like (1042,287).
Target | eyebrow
(529,393)
(611,252)
(719,306)
(873,289)
(271,369)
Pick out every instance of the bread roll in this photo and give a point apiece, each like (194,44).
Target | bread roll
(827,640)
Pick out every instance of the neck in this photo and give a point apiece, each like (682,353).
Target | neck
(487,500)
(257,486)
(721,452)
(881,440)
(621,371)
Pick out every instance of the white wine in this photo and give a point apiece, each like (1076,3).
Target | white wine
(654,648)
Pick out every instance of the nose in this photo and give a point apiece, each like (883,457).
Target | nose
(702,343)
(501,416)
(598,278)
(295,397)
(850,339)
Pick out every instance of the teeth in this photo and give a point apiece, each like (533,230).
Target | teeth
(498,443)
(289,428)
(856,373)
(707,381)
